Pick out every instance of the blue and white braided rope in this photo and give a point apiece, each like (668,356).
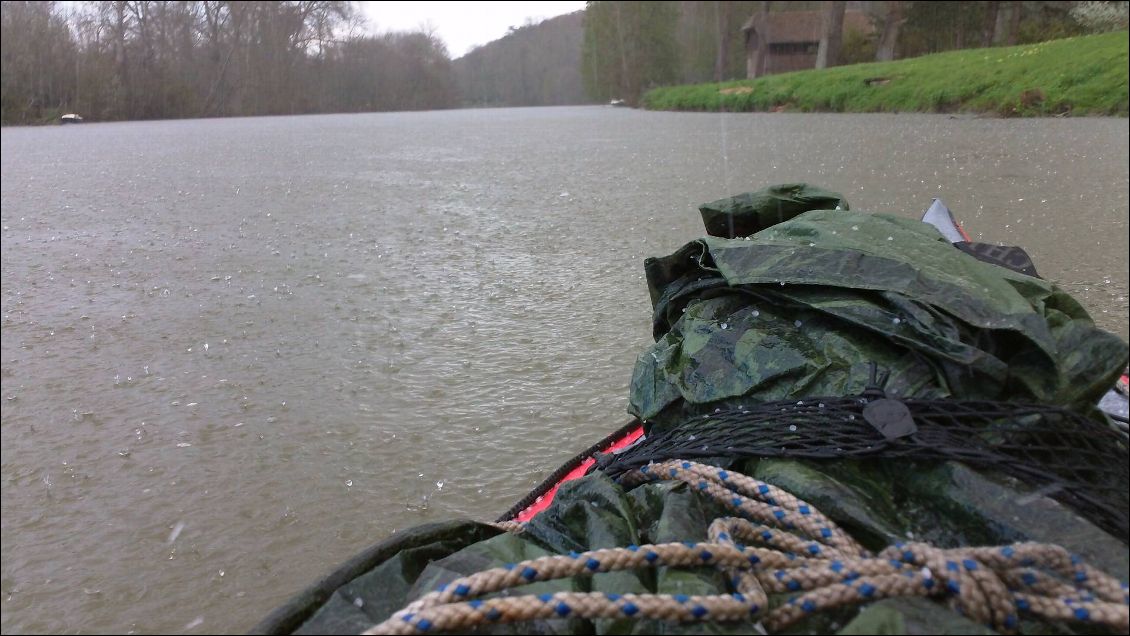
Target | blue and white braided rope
(789,547)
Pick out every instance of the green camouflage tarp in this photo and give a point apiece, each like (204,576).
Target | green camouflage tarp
(803,307)
(800,308)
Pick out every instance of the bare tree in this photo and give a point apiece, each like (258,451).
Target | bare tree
(1014,23)
(891,22)
(37,62)
(722,56)
(989,25)
(757,41)
(831,35)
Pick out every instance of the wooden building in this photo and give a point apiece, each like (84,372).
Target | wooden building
(793,39)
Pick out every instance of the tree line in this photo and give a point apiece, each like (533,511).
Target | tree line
(145,59)
(630,47)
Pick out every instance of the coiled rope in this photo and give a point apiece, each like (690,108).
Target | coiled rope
(786,546)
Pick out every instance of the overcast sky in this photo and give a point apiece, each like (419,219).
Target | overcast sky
(462,25)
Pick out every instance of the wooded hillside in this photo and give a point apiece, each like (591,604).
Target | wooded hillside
(533,65)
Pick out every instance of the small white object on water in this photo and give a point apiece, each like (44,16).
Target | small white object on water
(205,347)
(798,324)
(177,528)
(348,483)
(199,620)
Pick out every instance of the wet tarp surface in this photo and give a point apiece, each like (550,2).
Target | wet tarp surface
(801,307)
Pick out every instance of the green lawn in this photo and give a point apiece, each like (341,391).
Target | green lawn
(1077,76)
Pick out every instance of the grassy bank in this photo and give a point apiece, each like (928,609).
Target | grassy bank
(1077,76)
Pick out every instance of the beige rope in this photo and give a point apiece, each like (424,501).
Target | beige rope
(796,550)
(513,527)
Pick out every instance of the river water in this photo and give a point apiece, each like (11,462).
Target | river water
(236,352)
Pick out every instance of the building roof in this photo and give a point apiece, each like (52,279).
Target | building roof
(802,26)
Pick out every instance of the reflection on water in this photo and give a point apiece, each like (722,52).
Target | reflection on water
(235,352)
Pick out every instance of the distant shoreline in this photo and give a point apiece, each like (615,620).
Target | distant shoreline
(1081,76)
(87,122)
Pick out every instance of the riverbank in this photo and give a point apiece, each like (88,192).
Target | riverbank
(1074,76)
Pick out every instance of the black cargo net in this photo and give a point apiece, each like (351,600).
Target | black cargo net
(1078,461)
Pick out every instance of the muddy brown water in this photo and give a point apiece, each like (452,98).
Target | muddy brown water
(236,352)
